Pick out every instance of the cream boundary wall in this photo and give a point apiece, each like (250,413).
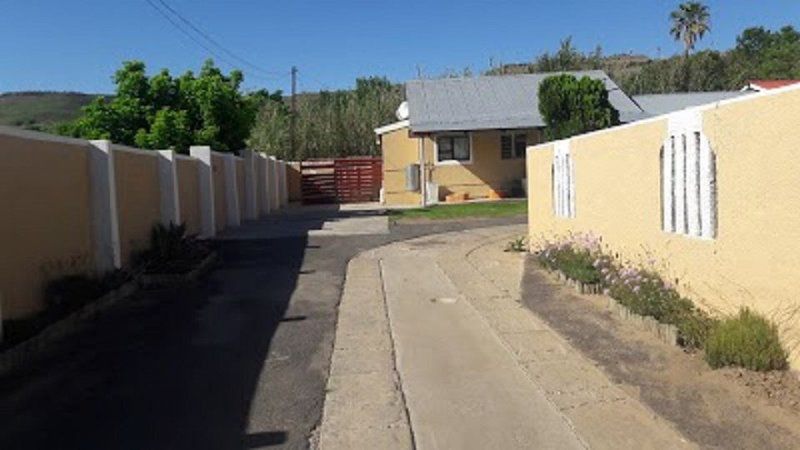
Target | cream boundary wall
(753,260)
(138,198)
(46,227)
(189,193)
(72,206)
(486,171)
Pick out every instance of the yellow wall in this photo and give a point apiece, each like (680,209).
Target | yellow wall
(45,226)
(398,151)
(220,205)
(189,193)
(138,199)
(754,259)
(486,172)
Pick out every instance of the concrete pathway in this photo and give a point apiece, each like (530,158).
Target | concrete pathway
(238,360)
(433,350)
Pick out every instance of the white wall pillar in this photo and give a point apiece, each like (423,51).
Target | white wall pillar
(103,200)
(274,185)
(206,182)
(231,191)
(250,185)
(168,185)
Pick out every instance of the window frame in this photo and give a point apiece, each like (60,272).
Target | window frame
(450,162)
(513,135)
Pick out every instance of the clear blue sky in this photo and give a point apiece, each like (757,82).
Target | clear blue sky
(77,44)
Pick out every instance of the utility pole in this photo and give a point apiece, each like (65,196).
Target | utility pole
(293,116)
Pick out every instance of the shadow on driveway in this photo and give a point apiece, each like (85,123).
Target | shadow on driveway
(239,360)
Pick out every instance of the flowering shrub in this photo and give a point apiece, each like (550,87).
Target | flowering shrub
(580,257)
(573,256)
(644,292)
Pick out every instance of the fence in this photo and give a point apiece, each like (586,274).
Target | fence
(710,195)
(71,206)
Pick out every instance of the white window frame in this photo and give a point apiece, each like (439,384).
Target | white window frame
(513,135)
(452,162)
(563,180)
(688,179)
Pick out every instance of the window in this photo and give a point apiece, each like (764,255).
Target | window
(453,148)
(563,174)
(688,181)
(513,145)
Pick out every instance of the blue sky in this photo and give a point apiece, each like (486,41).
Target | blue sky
(77,44)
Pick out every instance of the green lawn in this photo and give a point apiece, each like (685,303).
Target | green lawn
(464,210)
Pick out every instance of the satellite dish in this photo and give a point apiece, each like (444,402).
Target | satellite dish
(402,111)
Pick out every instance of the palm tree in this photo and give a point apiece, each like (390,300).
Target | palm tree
(690,22)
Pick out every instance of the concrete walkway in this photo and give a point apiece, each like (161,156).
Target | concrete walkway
(433,350)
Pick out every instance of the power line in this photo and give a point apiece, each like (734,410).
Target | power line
(215,43)
(211,51)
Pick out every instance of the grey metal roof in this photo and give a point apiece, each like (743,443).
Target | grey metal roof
(494,102)
(657,104)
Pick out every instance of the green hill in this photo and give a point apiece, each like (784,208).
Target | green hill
(41,110)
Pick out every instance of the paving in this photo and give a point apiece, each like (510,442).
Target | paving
(434,350)
(240,360)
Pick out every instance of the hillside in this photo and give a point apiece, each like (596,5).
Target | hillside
(41,110)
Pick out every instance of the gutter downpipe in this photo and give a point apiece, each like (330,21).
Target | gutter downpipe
(422,175)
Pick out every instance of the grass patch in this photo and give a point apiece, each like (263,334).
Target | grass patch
(463,210)
(746,340)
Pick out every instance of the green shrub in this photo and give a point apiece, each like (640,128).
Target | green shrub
(517,245)
(575,263)
(746,340)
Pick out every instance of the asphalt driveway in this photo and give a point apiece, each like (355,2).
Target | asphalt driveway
(238,361)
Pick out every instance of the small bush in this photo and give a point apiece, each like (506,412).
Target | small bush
(171,250)
(746,340)
(517,245)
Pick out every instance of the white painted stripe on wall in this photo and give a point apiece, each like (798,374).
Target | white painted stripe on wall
(692,186)
(667,156)
(708,200)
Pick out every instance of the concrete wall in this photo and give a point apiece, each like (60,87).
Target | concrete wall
(294,182)
(189,193)
(753,259)
(485,173)
(45,230)
(75,207)
(138,198)
(220,200)
(240,185)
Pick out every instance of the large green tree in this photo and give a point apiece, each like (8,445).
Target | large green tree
(571,106)
(162,111)
(690,22)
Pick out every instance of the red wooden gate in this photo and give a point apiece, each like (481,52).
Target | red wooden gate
(341,180)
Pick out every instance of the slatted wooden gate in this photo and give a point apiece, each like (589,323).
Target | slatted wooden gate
(341,180)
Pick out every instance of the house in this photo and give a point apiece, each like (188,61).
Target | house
(766,85)
(468,136)
(658,104)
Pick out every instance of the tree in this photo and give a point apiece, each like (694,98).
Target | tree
(163,112)
(573,106)
(690,22)
(330,123)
